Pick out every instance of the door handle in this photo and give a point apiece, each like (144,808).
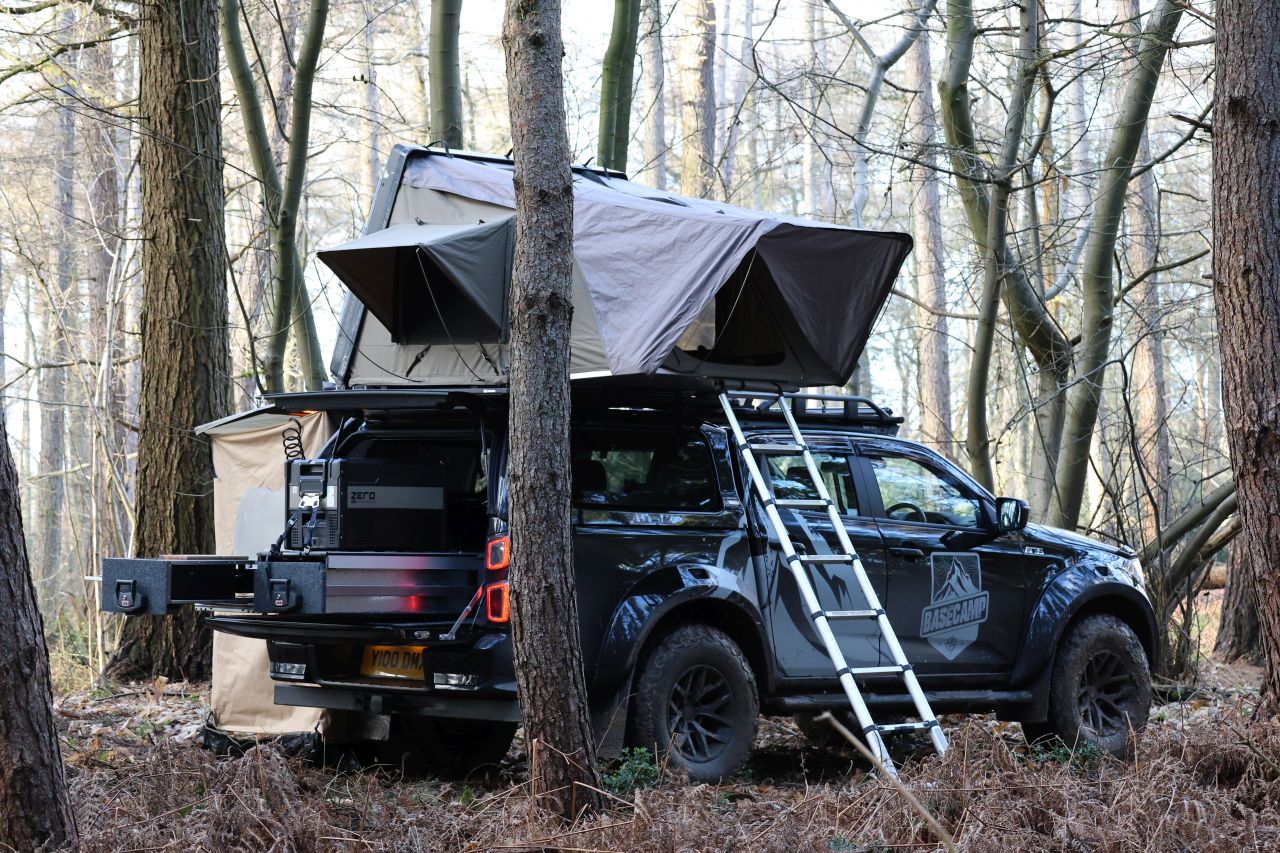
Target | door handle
(911,555)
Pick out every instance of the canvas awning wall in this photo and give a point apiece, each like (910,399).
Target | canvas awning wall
(661,283)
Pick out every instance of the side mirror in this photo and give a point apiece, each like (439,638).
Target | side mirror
(1011,514)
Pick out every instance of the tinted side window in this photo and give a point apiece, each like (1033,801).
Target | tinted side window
(652,470)
(912,491)
(791,479)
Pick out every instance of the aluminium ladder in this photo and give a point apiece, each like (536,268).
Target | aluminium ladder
(798,563)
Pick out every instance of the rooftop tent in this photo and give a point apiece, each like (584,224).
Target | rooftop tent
(661,283)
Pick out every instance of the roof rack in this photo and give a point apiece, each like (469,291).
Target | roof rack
(840,408)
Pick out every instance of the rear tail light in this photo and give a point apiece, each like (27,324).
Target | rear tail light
(497,599)
(497,553)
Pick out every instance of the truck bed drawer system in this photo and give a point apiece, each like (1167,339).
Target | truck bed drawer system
(382,583)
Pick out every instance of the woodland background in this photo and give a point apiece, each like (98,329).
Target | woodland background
(1065,352)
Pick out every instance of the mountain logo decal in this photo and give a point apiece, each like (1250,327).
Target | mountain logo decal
(958,605)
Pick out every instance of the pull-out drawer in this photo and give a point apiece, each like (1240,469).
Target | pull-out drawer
(373,583)
(157,586)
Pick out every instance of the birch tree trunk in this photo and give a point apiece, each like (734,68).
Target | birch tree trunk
(544,605)
(655,126)
(1246,219)
(931,286)
(371,96)
(34,808)
(697,98)
(616,85)
(445,77)
(185,361)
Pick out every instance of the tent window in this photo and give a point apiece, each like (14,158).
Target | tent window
(740,325)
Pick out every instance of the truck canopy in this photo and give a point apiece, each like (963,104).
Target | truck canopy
(661,283)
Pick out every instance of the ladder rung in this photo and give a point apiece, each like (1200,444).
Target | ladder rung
(776,448)
(852,614)
(875,670)
(898,728)
(825,558)
(800,503)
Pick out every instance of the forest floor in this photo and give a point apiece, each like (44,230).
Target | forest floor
(1205,776)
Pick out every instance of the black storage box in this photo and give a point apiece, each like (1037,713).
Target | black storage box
(366,505)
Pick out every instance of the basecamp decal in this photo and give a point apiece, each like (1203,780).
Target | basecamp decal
(950,622)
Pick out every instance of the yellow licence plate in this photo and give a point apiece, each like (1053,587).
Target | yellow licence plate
(393,662)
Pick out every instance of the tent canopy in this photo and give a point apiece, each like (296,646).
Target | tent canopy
(428,283)
(662,283)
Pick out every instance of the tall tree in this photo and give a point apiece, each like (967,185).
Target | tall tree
(617,84)
(931,284)
(544,604)
(34,809)
(655,126)
(1246,219)
(185,363)
(1097,271)
(443,68)
(282,195)
(698,98)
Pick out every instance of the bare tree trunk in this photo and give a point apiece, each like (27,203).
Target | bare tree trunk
(655,127)
(371,96)
(809,155)
(445,77)
(1240,632)
(1097,272)
(617,85)
(292,313)
(880,65)
(931,285)
(1035,328)
(1246,218)
(185,362)
(1148,375)
(55,352)
(697,98)
(544,606)
(34,808)
(743,68)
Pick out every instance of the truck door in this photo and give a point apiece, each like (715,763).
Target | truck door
(958,611)
(798,650)
(649,509)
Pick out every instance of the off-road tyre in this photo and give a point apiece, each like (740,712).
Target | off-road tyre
(444,747)
(1100,689)
(696,703)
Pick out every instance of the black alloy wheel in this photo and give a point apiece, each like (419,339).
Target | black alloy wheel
(695,702)
(1107,695)
(701,715)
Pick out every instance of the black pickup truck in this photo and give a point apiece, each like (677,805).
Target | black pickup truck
(387,592)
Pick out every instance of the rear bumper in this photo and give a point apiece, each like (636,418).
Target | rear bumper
(384,702)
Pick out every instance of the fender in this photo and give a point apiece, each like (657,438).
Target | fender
(1085,585)
(654,598)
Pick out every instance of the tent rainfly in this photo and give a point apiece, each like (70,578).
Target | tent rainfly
(661,283)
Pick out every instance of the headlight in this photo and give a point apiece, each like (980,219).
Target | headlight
(1135,571)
